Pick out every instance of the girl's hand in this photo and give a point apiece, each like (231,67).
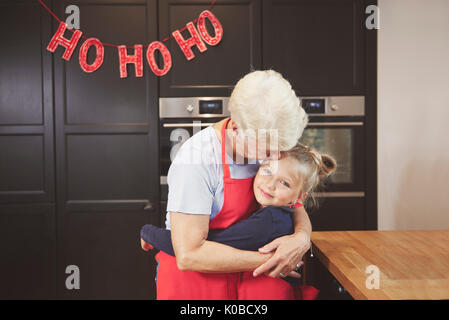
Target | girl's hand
(289,252)
(145,245)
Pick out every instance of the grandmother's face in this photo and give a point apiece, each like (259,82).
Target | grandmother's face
(258,145)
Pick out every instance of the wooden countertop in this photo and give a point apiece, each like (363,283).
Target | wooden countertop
(412,264)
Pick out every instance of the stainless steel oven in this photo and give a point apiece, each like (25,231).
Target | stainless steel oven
(336,127)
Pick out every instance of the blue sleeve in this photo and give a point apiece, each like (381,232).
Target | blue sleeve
(249,234)
(282,222)
(260,228)
(158,238)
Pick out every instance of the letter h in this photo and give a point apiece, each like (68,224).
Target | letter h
(58,39)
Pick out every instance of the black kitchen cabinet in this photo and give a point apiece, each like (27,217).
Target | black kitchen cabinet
(27,190)
(339,213)
(213,72)
(79,155)
(318,45)
(107,157)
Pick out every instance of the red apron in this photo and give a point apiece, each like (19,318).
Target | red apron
(173,284)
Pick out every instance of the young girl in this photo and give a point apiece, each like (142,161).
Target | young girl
(278,186)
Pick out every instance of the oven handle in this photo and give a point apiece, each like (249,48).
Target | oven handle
(335,124)
(187,125)
(311,124)
(339,194)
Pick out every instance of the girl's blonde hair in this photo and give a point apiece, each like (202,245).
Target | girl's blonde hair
(315,169)
(265,100)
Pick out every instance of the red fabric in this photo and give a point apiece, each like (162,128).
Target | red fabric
(194,40)
(306,293)
(136,59)
(166,56)
(83,55)
(213,41)
(58,39)
(189,285)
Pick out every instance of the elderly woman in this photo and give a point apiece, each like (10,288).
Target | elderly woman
(216,191)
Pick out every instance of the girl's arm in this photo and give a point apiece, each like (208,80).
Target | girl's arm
(193,251)
(250,234)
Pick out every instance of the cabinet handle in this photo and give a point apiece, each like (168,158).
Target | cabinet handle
(186,125)
(148,206)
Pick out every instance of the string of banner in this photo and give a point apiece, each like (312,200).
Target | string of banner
(198,37)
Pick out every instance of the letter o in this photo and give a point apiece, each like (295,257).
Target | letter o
(83,55)
(213,41)
(166,56)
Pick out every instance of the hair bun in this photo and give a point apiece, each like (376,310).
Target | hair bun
(328,166)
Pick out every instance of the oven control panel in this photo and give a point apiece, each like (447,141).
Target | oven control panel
(193,107)
(334,106)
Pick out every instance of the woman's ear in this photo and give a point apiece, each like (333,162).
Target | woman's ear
(234,127)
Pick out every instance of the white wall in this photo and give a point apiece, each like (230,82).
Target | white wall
(413,114)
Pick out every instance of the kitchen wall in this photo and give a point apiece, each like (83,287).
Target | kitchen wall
(413,114)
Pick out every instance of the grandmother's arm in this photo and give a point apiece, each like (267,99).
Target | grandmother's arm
(193,252)
(302,222)
(289,249)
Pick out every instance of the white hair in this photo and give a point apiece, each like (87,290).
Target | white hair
(265,100)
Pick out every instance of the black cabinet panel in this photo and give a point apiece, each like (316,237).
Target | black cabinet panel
(215,71)
(104,244)
(21,164)
(108,166)
(107,157)
(28,248)
(102,96)
(26,106)
(318,45)
(21,64)
(339,214)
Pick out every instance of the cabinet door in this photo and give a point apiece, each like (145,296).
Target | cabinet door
(215,71)
(339,213)
(317,45)
(27,193)
(106,156)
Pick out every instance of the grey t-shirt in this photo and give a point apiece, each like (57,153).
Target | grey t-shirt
(195,177)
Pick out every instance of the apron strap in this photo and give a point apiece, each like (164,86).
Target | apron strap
(226,171)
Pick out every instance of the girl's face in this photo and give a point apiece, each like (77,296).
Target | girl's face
(278,183)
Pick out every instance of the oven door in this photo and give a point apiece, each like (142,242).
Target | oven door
(343,139)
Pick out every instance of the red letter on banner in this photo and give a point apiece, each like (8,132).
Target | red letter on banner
(124,59)
(166,56)
(83,55)
(186,45)
(217,27)
(58,39)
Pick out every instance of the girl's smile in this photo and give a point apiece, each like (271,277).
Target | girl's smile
(265,194)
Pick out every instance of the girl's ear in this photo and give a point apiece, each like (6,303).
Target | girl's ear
(302,197)
(299,201)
